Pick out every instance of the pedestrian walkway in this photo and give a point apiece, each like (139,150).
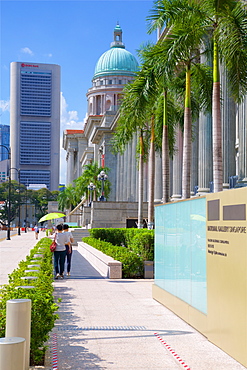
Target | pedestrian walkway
(15,250)
(115,324)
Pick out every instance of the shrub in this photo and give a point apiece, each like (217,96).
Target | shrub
(142,243)
(43,309)
(114,236)
(139,241)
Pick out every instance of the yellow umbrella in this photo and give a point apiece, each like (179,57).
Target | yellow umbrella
(51,216)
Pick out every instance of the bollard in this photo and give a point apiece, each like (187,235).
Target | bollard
(12,353)
(148,269)
(18,322)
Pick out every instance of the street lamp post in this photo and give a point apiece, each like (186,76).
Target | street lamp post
(9,204)
(91,187)
(102,176)
(26,210)
(19,200)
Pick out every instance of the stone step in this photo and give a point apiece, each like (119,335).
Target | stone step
(78,234)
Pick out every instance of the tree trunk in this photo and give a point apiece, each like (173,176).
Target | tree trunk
(187,139)
(216,123)
(140,185)
(165,155)
(151,174)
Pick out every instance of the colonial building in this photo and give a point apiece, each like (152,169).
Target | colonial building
(114,69)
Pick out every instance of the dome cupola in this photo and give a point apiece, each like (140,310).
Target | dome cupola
(117,60)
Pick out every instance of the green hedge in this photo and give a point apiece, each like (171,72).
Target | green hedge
(140,241)
(113,236)
(43,309)
(132,264)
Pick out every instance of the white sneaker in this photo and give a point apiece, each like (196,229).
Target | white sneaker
(57,276)
(68,273)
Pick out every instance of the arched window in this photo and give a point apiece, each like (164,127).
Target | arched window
(108,104)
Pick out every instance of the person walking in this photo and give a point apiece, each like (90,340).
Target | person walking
(68,246)
(36,231)
(60,252)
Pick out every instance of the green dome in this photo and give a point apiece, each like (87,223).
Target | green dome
(117,60)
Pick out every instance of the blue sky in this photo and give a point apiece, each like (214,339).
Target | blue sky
(73,34)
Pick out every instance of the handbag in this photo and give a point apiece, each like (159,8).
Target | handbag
(53,245)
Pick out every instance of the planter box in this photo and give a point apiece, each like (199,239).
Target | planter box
(105,265)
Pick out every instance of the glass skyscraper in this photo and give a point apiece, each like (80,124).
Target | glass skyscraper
(35,122)
(4,140)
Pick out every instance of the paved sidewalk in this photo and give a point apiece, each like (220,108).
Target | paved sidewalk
(15,250)
(115,324)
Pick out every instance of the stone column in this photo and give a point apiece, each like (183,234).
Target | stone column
(125,174)
(128,184)
(102,104)
(118,177)
(241,140)
(121,169)
(194,158)
(205,155)
(145,182)
(111,162)
(133,170)
(158,178)
(70,165)
(94,105)
(177,167)
(228,132)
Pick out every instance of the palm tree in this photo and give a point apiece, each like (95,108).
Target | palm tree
(228,19)
(136,110)
(179,51)
(68,198)
(89,175)
(225,22)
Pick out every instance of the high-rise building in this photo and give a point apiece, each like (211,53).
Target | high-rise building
(4,140)
(35,123)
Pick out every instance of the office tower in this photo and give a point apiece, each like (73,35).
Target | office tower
(35,123)
(4,140)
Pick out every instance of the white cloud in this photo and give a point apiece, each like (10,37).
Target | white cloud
(26,50)
(68,120)
(4,105)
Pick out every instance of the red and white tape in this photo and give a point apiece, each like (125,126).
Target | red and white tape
(178,358)
(54,352)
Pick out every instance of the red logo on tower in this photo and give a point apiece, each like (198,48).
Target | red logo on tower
(29,65)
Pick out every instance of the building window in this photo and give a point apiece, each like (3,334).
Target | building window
(35,177)
(35,143)
(36,90)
